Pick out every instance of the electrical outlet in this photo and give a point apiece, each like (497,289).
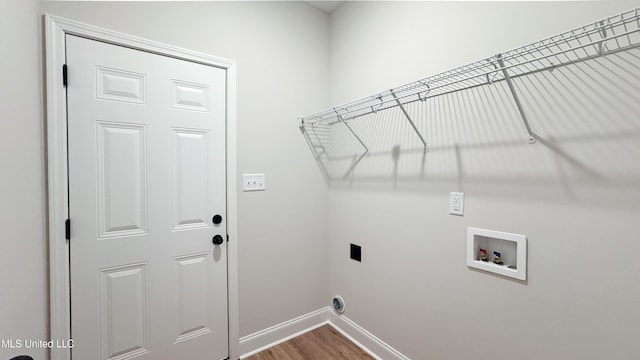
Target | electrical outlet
(456,203)
(254,182)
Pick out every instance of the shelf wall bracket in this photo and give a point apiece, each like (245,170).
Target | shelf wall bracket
(512,88)
(406,114)
(366,149)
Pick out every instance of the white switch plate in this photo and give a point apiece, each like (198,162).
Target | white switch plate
(254,182)
(456,203)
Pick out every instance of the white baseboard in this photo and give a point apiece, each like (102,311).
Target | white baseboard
(364,339)
(264,339)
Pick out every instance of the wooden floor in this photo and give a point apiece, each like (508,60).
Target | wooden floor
(324,343)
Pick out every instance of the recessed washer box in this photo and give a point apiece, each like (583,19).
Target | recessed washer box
(512,249)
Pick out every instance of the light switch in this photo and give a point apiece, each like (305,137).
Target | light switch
(254,182)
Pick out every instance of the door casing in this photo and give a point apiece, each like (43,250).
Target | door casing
(58,208)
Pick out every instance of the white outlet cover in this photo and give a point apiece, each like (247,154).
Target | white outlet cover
(254,182)
(456,203)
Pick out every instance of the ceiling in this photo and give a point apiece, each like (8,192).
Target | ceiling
(326,6)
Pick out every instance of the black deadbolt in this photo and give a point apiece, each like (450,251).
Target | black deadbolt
(217,240)
(217,219)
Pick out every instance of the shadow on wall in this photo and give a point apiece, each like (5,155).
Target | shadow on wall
(585,118)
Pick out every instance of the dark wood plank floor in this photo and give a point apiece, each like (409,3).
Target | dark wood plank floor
(323,343)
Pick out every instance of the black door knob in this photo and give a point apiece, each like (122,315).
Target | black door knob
(217,240)
(217,219)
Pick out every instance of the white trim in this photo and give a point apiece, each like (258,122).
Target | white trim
(60,326)
(364,339)
(277,334)
(56,29)
(233,291)
(270,337)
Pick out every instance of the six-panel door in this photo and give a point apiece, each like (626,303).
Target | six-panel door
(146,175)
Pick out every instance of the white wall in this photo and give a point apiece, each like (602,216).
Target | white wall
(281,49)
(412,289)
(23,269)
(578,202)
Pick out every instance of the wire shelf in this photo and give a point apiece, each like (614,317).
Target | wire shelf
(611,35)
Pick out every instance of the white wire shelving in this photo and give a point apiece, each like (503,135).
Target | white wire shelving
(601,38)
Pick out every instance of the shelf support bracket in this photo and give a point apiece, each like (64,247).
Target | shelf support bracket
(512,88)
(406,114)
(603,35)
(366,149)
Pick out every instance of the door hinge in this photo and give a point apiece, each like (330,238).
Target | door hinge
(64,75)
(227,237)
(67,229)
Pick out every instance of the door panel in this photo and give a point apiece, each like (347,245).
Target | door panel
(193,293)
(190,96)
(190,176)
(146,175)
(122,180)
(124,311)
(120,85)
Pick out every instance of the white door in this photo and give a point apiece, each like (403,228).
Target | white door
(146,177)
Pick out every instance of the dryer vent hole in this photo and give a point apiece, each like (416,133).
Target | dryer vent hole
(338,304)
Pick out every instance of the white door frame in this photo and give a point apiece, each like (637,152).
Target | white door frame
(59,285)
